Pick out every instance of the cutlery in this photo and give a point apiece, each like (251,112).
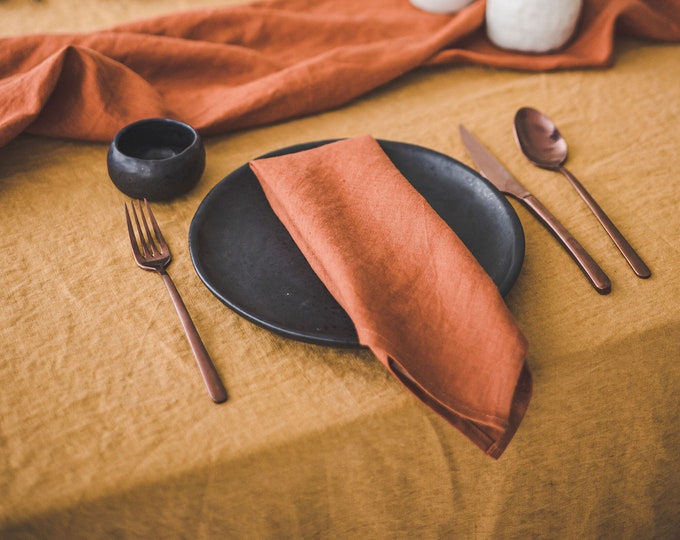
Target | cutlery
(500,177)
(543,145)
(152,253)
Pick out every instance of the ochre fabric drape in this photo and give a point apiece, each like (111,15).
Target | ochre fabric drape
(106,430)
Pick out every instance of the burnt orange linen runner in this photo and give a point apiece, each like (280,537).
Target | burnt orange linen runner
(418,298)
(229,68)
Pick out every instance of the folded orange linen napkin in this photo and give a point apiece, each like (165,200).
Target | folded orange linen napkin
(228,68)
(418,298)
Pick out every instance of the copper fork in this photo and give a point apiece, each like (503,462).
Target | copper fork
(151,252)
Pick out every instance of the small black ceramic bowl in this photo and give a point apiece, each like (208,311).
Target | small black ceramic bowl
(156,159)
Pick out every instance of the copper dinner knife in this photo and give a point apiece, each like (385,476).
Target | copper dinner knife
(500,177)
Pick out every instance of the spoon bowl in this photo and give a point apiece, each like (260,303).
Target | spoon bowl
(542,143)
(539,139)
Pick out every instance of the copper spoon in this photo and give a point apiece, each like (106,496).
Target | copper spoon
(541,142)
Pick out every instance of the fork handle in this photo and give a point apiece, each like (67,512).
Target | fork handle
(210,376)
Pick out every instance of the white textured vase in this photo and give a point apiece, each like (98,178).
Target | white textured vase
(535,26)
(441,6)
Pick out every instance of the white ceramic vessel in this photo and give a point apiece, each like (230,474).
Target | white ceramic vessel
(535,26)
(441,6)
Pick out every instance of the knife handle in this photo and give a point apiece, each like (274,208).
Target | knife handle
(590,268)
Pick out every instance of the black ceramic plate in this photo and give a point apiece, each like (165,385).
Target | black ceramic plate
(245,256)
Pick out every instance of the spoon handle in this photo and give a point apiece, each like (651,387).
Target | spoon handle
(634,260)
(590,268)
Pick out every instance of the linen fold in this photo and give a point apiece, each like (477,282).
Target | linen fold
(225,69)
(416,295)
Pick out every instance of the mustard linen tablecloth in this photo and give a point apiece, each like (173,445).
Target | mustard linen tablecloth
(106,430)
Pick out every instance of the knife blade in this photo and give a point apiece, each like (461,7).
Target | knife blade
(494,171)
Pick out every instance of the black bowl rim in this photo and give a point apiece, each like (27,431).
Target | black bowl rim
(156,120)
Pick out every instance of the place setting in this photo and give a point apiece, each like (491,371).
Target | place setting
(309,268)
(374,243)
(304,287)
(359,242)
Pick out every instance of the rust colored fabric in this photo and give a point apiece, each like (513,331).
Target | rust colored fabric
(418,298)
(235,67)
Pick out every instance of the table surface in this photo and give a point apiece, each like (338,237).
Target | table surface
(106,429)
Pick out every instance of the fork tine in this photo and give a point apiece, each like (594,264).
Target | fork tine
(152,250)
(140,233)
(145,240)
(131,232)
(162,244)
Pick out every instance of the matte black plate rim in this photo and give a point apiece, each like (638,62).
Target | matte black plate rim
(504,281)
